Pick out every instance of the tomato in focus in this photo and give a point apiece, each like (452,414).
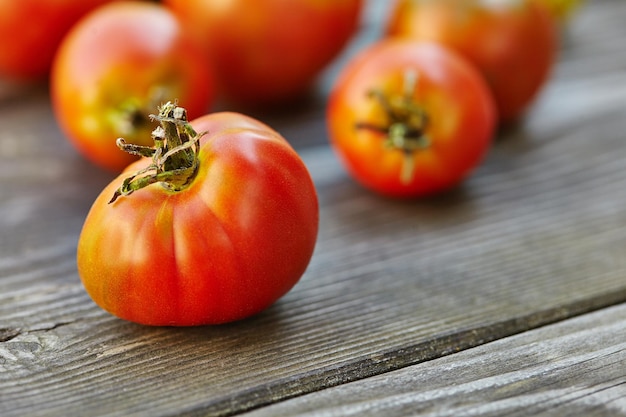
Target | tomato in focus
(409,119)
(117,64)
(511,41)
(217,233)
(32,31)
(269,51)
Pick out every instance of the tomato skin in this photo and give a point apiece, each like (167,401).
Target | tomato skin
(452,93)
(33,30)
(221,250)
(269,51)
(116,63)
(512,42)
(560,10)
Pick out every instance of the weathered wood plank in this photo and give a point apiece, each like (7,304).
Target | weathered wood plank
(535,236)
(573,368)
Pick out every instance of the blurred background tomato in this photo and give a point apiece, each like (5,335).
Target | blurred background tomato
(269,51)
(32,31)
(512,42)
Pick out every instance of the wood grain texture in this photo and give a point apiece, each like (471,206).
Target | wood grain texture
(535,236)
(576,367)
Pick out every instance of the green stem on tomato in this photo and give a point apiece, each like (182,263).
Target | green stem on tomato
(174,155)
(406,126)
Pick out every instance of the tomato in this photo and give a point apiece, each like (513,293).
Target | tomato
(560,10)
(32,31)
(269,51)
(511,41)
(213,233)
(409,119)
(115,65)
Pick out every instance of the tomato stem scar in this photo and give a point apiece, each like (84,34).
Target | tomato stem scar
(407,122)
(133,114)
(174,155)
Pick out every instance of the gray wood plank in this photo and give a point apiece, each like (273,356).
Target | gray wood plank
(535,236)
(574,368)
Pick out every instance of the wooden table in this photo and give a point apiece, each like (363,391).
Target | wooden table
(502,297)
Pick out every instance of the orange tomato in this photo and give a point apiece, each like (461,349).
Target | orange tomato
(117,64)
(512,42)
(269,51)
(211,233)
(409,119)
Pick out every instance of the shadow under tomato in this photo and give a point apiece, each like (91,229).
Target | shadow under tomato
(348,205)
(217,344)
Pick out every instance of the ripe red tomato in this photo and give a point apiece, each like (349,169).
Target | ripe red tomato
(511,41)
(32,31)
(409,119)
(115,65)
(230,230)
(269,51)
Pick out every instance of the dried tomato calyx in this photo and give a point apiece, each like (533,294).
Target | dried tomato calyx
(406,126)
(174,155)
